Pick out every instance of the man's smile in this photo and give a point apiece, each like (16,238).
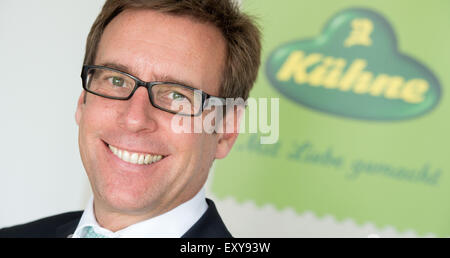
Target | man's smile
(134,157)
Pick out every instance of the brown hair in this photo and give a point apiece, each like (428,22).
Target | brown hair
(241,35)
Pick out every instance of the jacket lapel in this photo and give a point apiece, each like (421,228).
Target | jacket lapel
(66,230)
(210,225)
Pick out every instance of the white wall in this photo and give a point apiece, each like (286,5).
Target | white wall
(41,53)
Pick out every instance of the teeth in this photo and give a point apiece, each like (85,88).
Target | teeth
(147,159)
(135,158)
(141,159)
(126,156)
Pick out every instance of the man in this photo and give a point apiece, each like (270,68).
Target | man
(143,59)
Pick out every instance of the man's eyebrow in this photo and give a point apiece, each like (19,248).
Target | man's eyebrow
(159,78)
(117,66)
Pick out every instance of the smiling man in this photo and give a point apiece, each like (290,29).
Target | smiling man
(142,59)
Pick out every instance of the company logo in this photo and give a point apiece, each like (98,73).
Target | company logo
(354,69)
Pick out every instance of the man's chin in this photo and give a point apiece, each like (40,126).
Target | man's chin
(127,203)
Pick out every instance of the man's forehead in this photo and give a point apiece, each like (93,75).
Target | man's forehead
(141,20)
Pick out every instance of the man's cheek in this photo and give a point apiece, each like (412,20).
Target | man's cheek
(99,115)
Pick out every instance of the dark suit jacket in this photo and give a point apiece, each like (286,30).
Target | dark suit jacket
(210,225)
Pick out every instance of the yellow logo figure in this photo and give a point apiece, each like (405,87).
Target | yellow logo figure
(360,35)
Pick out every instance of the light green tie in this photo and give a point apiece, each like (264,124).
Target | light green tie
(90,233)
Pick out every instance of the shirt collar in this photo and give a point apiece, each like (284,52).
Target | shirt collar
(172,224)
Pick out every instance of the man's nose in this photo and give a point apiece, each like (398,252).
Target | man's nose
(139,114)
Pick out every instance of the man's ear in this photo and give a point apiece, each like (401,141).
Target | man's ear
(80,107)
(231,125)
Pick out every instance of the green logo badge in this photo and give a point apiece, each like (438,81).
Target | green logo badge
(354,69)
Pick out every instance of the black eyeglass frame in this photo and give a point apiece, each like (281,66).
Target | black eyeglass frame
(148,86)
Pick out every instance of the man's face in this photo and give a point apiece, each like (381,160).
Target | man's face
(153,47)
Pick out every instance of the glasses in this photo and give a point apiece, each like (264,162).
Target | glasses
(167,96)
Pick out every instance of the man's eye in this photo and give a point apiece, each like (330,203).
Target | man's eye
(117,81)
(176,96)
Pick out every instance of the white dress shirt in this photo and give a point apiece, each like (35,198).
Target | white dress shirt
(172,224)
